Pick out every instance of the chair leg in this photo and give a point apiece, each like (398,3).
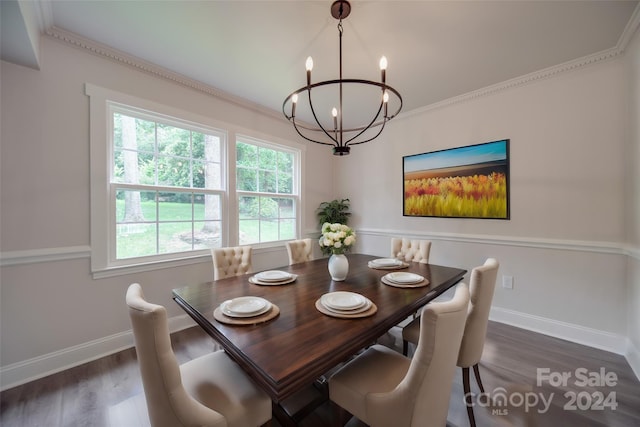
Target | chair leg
(467,396)
(476,372)
(405,347)
(339,415)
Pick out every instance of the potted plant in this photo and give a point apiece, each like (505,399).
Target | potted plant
(335,211)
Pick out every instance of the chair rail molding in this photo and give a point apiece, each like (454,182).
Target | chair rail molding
(527,242)
(31,256)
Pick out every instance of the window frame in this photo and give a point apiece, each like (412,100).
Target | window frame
(102,206)
(112,109)
(295,190)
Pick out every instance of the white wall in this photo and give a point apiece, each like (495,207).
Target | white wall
(565,242)
(571,165)
(53,313)
(633,205)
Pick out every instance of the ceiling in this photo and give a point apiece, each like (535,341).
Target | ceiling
(436,50)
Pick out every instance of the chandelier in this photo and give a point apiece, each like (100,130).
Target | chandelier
(333,132)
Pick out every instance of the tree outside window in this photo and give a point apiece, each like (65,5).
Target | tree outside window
(266,194)
(167,182)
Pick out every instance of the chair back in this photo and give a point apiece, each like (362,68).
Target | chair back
(422,397)
(482,284)
(410,250)
(232,261)
(168,403)
(299,251)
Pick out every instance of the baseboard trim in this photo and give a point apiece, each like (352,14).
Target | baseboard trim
(596,338)
(633,357)
(23,372)
(38,367)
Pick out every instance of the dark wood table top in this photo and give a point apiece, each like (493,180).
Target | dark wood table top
(289,352)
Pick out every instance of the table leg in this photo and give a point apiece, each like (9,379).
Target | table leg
(293,410)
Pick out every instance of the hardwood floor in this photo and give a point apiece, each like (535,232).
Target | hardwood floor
(108,391)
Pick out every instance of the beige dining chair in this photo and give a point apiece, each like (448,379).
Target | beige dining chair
(482,284)
(299,251)
(383,388)
(211,390)
(410,250)
(231,261)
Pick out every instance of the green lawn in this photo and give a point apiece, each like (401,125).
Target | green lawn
(175,230)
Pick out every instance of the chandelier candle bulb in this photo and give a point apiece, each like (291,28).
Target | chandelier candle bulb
(294,100)
(385,99)
(309,66)
(334,113)
(383,69)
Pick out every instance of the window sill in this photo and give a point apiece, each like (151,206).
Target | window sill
(113,271)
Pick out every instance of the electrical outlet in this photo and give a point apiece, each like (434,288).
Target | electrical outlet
(507,282)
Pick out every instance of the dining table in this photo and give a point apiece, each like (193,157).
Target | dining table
(300,341)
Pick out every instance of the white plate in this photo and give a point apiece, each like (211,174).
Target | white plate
(365,307)
(343,300)
(386,262)
(386,281)
(245,306)
(256,281)
(273,276)
(404,277)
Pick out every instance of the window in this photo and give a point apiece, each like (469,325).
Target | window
(166,180)
(267,196)
(166,186)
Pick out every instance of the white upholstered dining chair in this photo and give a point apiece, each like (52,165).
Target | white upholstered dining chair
(231,261)
(211,390)
(482,285)
(410,250)
(299,251)
(383,388)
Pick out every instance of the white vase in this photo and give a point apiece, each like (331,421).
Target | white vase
(338,267)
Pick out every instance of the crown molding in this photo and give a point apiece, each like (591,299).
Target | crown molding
(139,64)
(44,13)
(155,70)
(629,30)
(604,55)
(522,80)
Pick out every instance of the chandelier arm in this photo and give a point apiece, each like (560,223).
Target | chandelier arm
(313,111)
(382,124)
(364,129)
(295,126)
(352,81)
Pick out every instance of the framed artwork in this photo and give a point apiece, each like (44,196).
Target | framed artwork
(462,182)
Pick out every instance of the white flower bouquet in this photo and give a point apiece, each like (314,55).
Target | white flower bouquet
(337,238)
